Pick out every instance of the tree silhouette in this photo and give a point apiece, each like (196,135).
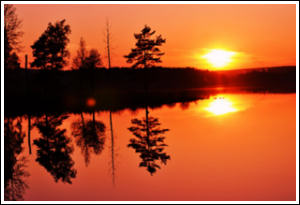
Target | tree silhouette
(82,53)
(49,51)
(86,59)
(107,41)
(149,137)
(13,61)
(112,139)
(55,149)
(93,61)
(89,136)
(16,185)
(12,36)
(29,132)
(14,168)
(147,51)
(108,38)
(149,142)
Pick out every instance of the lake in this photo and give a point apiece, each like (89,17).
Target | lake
(228,147)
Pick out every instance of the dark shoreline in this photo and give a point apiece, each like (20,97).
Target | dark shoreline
(37,91)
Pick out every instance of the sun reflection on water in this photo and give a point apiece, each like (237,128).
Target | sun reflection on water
(220,106)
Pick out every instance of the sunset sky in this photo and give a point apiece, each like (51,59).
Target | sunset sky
(259,35)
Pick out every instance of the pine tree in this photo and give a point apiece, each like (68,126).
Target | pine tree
(147,52)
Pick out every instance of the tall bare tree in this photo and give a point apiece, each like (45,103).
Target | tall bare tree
(108,37)
(108,42)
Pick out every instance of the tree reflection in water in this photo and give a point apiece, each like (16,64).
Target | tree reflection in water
(89,136)
(54,149)
(14,169)
(112,148)
(149,142)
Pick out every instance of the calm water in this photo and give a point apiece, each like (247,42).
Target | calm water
(227,147)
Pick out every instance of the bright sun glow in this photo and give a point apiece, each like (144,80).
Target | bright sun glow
(219,58)
(220,106)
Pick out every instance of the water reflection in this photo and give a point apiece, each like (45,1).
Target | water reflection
(113,167)
(14,168)
(54,148)
(149,142)
(220,106)
(89,136)
(29,132)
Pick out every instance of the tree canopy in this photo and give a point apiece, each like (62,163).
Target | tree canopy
(49,51)
(12,34)
(85,59)
(90,137)
(55,149)
(149,142)
(147,52)
(14,165)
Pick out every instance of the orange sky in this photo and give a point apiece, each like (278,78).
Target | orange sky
(263,35)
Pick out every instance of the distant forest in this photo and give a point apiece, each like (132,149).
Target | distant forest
(158,78)
(118,88)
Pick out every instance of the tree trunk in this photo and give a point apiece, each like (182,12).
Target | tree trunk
(82,119)
(112,149)
(29,130)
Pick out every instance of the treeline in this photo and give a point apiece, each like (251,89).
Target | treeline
(119,88)
(127,79)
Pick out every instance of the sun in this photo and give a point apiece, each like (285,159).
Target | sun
(219,58)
